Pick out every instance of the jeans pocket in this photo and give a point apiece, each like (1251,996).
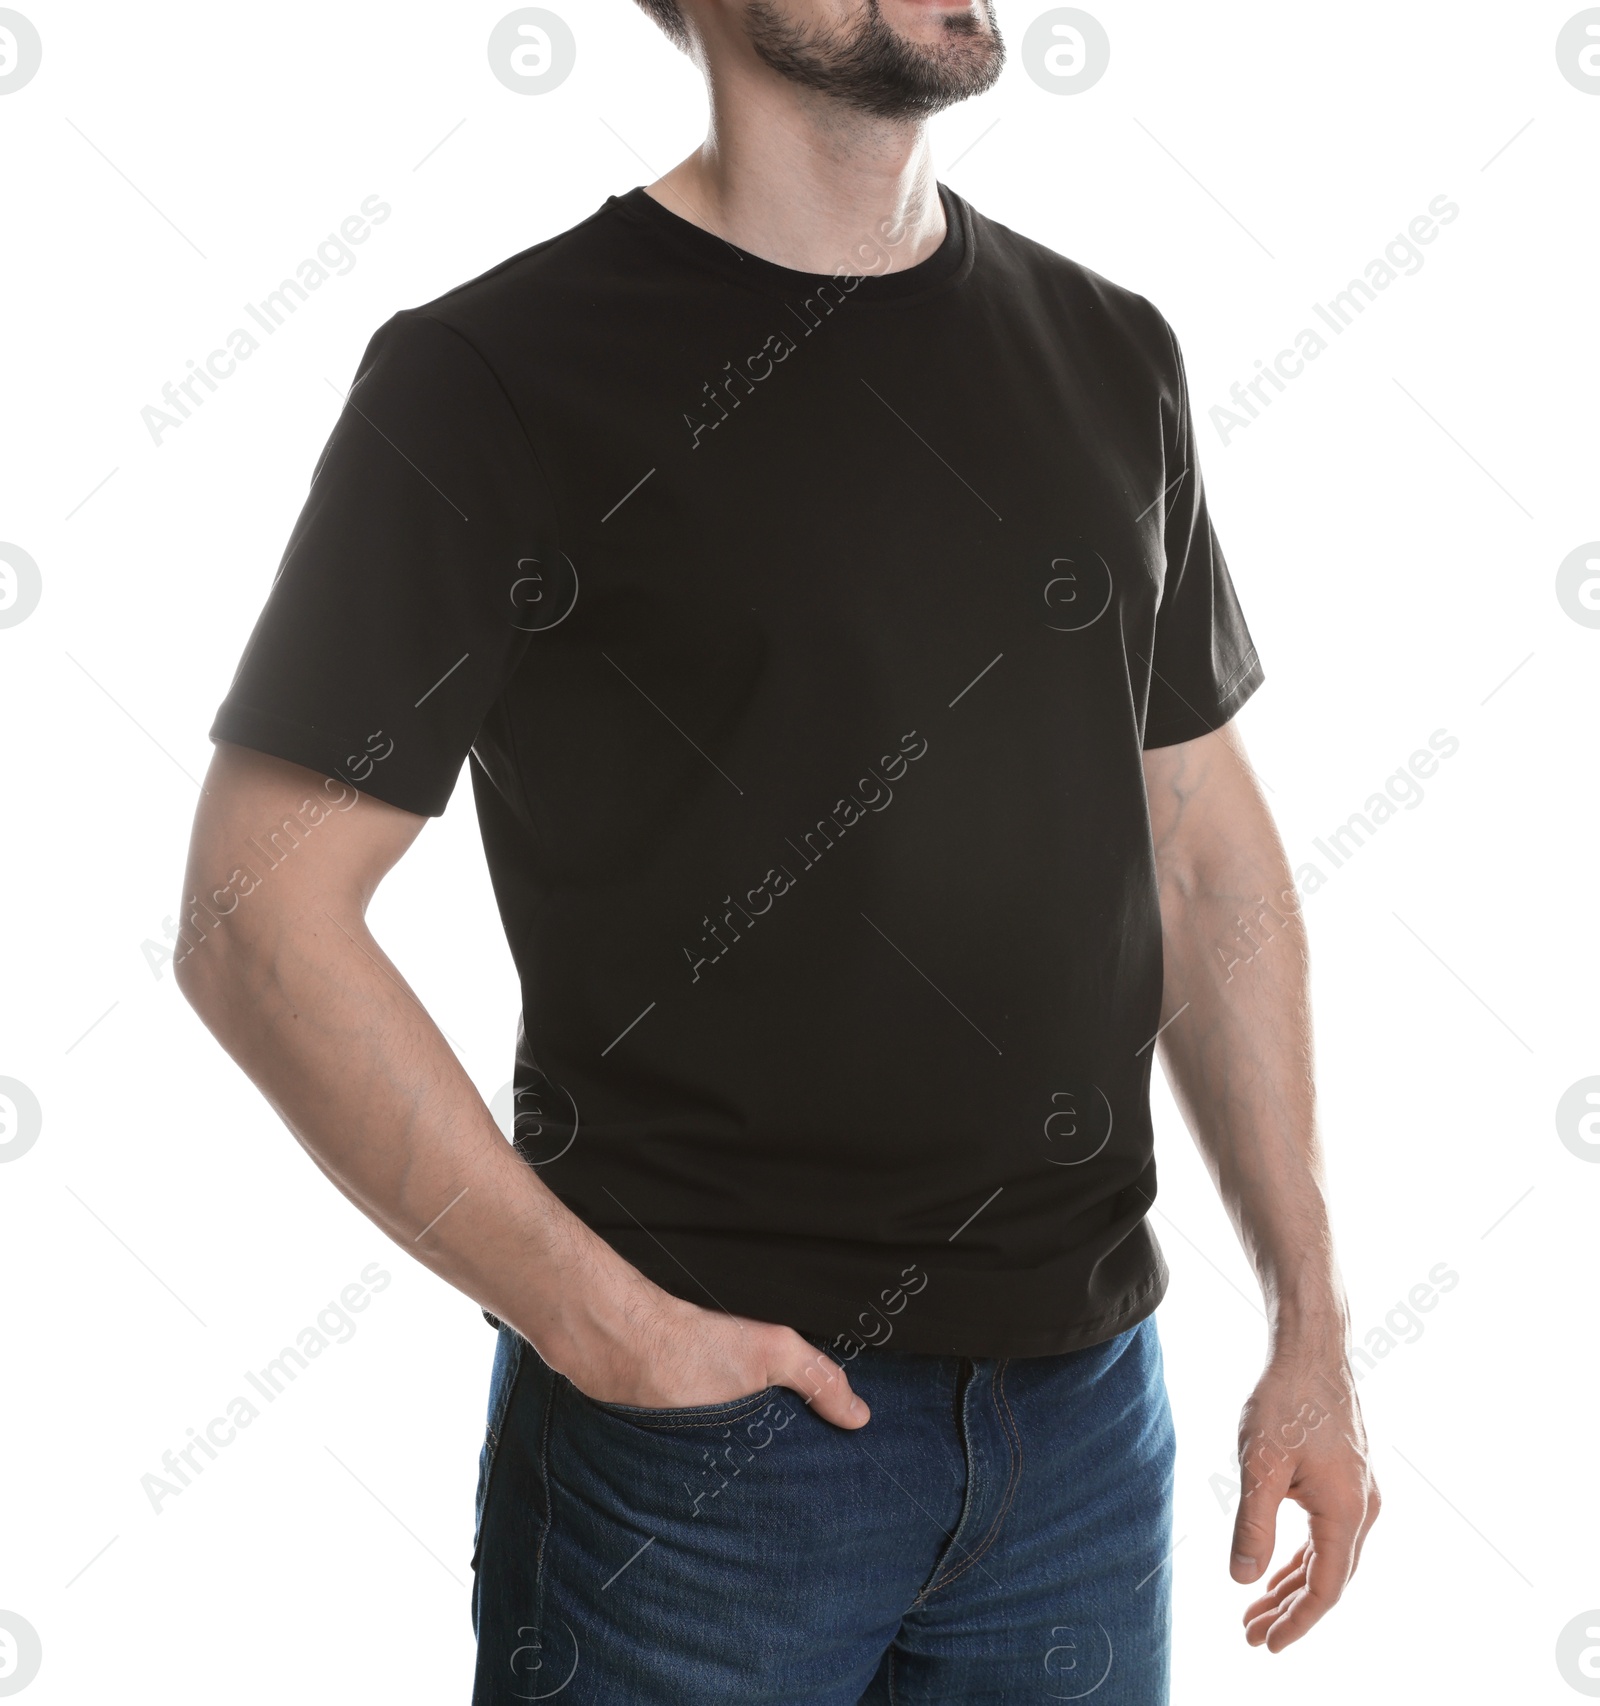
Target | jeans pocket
(684,1415)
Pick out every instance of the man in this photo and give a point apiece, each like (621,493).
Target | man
(820,577)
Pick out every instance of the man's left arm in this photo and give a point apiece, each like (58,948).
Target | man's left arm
(1236,1045)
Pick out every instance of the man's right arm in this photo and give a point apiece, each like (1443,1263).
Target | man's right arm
(285,973)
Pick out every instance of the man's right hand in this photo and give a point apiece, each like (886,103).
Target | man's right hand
(629,1342)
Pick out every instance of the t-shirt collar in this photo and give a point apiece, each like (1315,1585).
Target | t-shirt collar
(949,263)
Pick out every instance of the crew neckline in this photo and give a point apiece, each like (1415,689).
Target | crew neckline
(947,265)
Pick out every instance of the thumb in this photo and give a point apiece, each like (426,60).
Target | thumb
(1256,1526)
(822,1383)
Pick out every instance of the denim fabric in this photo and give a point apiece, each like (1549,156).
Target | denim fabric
(998,1532)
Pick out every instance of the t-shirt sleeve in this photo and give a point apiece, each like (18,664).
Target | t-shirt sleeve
(1203,664)
(392,625)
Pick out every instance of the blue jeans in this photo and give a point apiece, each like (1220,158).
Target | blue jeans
(998,1532)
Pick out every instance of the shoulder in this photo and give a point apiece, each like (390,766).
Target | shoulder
(529,293)
(1121,321)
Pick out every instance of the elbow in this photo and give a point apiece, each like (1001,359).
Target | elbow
(191,971)
(217,969)
(204,973)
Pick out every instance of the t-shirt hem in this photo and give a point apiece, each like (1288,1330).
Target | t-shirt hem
(992,1337)
(325,751)
(975,1338)
(1198,723)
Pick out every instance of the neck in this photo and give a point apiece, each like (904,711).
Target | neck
(799,179)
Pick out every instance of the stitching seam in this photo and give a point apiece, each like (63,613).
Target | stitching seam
(547,1512)
(1013,1440)
(760,1401)
(936,1580)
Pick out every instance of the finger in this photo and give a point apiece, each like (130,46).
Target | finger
(1331,1558)
(1293,1566)
(1288,1580)
(1257,1628)
(1256,1526)
(1269,1607)
(821,1382)
(1266,1610)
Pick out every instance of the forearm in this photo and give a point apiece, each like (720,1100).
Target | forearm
(1237,1049)
(1236,1043)
(313,1011)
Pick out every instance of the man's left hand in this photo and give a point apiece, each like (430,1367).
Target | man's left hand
(1301,1437)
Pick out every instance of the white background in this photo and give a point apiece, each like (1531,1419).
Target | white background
(169,163)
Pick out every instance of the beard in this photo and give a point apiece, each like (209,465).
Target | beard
(875,70)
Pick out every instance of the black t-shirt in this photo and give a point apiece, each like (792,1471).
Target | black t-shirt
(804,633)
